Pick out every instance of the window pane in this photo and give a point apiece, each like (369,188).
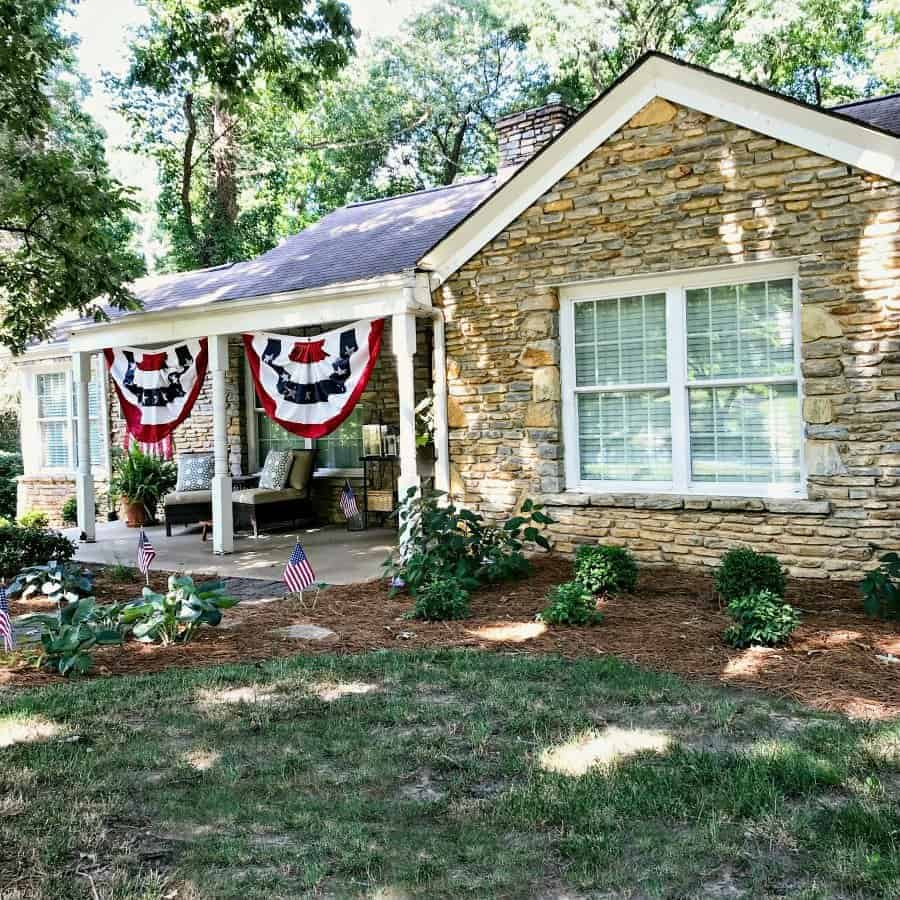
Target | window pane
(621,341)
(51,395)
(343,447)
(55,444)
(749,433)
(273,437)
(625,436)
(741,331)
(96,443)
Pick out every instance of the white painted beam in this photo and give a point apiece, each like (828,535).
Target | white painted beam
(84,482)
(403,342)
(223,520)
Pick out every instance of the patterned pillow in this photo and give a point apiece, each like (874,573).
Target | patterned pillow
(275,470)
(195,471)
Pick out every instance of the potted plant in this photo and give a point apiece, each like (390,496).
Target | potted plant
(140,481)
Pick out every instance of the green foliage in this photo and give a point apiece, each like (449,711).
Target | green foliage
(70,511)
(141,478)
(441,597)
(61,582)
(10,469)
(744,571)
(880,589)
(34,518)
(605,569)
(571,603)
(761,617)
(120,572)
(441,540)
(21,548)
(176,615)
(67,638)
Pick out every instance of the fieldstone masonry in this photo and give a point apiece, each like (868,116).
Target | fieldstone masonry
(677,189)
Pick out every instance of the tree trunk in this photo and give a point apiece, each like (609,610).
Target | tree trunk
(454,156)
(187,165)
(224,165)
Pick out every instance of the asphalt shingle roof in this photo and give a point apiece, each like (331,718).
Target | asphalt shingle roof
(882,112)
(356,242)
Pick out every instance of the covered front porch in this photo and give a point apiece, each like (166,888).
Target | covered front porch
(401,301)
(336,555)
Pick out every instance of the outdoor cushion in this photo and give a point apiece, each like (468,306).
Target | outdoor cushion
(195,471)
(301,469)
(180,498)
(275,470)
(260,496)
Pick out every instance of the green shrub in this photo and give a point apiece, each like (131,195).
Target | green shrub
(70,511)
(21,548)
(743,572)
(441,540)
(177,614)
(760,618)
(120,572)
(61,582)
(570,603)
(10,469)
(606,570)
(881,595)
(440,598)
(141,478)
(34,518)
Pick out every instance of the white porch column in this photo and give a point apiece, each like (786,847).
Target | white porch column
(403,340)
(441,430)
(223,522)
(84,482)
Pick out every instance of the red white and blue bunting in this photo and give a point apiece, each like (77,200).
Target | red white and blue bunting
(157,388)
(310,385)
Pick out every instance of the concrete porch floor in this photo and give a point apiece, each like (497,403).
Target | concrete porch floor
(337,556)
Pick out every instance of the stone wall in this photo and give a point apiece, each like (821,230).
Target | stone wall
(676,189)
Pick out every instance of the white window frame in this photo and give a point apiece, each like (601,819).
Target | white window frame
(675,285)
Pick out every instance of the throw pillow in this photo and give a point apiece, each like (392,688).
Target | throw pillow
(299,477)
(275,470)
(195,471)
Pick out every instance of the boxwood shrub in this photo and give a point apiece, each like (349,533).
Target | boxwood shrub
(744,572)
(22,547)
(605,569)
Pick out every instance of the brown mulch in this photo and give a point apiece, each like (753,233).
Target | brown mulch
(671,624)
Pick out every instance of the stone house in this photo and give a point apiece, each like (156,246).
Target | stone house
(673,317)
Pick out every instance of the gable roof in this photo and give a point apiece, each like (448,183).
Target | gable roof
(832,133)
(355,243)
(881,112)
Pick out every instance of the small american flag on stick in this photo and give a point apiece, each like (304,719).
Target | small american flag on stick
(298,573)
(348,502)
(145,554)
(6,632)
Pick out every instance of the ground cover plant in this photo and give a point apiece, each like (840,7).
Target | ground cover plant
(570,603)
(605,569)
(761,618)
(448,774)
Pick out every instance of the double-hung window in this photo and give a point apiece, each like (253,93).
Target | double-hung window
(684,383)
(56,420)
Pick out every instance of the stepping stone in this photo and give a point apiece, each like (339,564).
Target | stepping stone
(306,632)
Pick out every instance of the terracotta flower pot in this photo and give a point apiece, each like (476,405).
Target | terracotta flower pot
(135,514)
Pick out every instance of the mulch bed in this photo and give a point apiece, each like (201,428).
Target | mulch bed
(672,624)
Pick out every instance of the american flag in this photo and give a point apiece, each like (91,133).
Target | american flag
(348,502)
(145,553)
(298,573)
(6,631)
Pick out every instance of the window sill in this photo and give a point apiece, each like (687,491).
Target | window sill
(692,502)
(338,473)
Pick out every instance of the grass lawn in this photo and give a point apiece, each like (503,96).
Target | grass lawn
(439,774)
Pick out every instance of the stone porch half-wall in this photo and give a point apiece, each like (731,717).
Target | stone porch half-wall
(677,189)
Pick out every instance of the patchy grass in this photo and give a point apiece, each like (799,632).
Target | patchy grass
(444,774)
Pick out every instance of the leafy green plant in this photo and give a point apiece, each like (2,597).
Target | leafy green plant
(761,617)
(441,597)
(61,582)
(34,518)
(881,594)
(120,572)
(67,638)
(69,511)
(21,548)
(176,615)
(744,571)
(10,469)
(144,479)
(570,603)
(440,539)
(605,569)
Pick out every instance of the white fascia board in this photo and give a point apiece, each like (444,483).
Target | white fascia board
(317,306)
(794,123)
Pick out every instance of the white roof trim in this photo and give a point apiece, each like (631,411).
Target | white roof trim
(794,123)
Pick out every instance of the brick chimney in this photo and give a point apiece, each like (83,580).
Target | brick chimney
(520,135)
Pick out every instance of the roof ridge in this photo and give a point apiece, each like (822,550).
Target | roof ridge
(432,190)
(865,100)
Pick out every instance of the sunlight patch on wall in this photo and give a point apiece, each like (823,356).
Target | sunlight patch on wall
(602,749)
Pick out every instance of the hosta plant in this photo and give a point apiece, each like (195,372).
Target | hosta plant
(61,582)
(177,614)
(68,637)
